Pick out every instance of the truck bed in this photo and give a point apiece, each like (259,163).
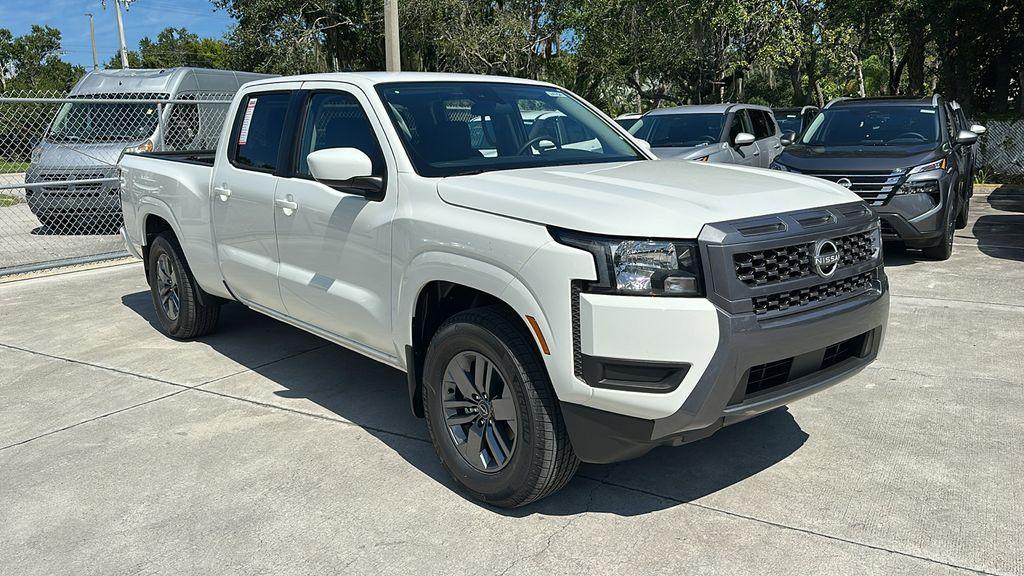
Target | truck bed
(203,157)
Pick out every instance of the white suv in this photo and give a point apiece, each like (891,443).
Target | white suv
(554,293)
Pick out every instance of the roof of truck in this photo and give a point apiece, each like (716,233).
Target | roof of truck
(367,79)
(705,109)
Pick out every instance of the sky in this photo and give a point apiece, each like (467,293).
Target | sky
(143,18)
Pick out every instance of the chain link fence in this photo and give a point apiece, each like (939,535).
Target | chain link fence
(59,180)
(1002,149)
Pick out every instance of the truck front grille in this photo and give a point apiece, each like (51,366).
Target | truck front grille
(772,265)
(875,188)
(782,301)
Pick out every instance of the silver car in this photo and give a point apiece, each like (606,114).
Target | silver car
(107,112)
(725,133)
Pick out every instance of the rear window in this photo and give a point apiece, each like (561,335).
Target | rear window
(257,132)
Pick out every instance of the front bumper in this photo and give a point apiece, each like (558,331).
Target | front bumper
(804,346)
(917,218)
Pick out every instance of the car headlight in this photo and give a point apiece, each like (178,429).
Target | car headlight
(781,167)
(876,241)
(146,146)
(640,267)
(702,158)
(937,165)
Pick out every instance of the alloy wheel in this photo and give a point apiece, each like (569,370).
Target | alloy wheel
(479,411)
(167,287)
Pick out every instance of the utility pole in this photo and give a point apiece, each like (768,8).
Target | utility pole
(92,38)
(392,49)
(123,50)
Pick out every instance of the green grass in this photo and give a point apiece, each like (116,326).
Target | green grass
(8,200)
(9,167)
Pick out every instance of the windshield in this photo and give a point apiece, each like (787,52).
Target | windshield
(679,130)
(104,122)
(874,126)
(451,128)
(788,121)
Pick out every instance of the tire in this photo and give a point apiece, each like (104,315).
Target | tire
(538,456)
(944,249)
(175,293)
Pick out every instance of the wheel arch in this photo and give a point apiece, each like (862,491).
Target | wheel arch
(442,285)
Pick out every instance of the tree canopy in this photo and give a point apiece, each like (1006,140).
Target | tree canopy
(626,55)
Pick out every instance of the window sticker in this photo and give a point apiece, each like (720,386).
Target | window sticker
(243,134)
(927,111)
(554,94)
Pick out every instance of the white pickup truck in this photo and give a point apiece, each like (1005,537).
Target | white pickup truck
(554,293)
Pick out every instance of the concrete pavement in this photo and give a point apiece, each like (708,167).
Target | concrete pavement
(264,450)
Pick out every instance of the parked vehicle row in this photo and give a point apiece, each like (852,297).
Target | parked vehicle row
(553,291)
(911,159)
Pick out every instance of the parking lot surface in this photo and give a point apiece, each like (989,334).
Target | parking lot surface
(264,450)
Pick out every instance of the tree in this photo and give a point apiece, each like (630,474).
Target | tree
(176,47)
(32,61)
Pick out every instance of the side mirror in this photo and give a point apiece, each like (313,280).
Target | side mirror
(978,129)
(966,137)
(787,138)
(744,138)
(643,144)
(347,170)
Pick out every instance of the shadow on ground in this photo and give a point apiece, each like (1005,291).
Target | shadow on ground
(375,397)
(1001,235)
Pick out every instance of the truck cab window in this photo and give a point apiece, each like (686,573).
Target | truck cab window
(257,133)
(336,120)
(182,125)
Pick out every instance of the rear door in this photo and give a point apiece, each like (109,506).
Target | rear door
(335,245)
(767,134)
(747,155)
(242,192)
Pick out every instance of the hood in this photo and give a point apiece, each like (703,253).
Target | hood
(654,198)
(75,157)
(857,158)
(684,152)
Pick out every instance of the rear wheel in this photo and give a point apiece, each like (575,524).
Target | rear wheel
(180,312)
(491,411)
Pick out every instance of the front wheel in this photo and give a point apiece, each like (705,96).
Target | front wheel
(179,310)
(491,411)
(944,249)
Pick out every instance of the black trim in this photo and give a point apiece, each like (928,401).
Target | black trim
(412,379)
(633,375)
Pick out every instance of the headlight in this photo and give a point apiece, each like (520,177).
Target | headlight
(781,167)
(876,242)
(640,267)
(701,159)
(146,146)
(937,165)
(37,153)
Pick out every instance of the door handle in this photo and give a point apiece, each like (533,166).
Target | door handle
(223,192)
(287,206)
(777,146)
(758,153)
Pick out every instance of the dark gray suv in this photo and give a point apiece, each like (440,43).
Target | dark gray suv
(908,158)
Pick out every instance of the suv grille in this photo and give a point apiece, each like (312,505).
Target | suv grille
(812,294)
(791,262)
(875,188)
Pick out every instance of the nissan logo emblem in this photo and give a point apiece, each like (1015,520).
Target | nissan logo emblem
(844,182)
(826,258)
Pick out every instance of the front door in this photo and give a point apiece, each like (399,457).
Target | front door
(243,189)
(335,245)
(747,155)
